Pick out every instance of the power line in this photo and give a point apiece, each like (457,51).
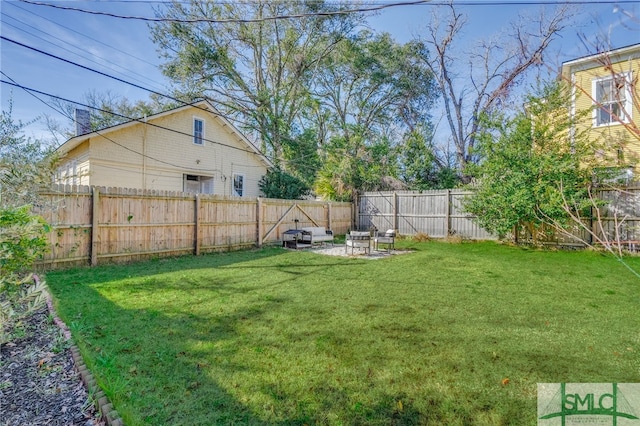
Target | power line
(380,6)
(179,101)
(155,92)
(64,48)
(85,35)
(15,84)
(51,55)
(234,20)
(139,120)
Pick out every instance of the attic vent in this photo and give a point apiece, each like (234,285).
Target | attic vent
(83,121)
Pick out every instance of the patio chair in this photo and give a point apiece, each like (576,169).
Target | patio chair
(388,238)
(358,239)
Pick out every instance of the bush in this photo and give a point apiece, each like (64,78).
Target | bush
(279,184)
(22,241)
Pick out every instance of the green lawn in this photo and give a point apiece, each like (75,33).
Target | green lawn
(283,337)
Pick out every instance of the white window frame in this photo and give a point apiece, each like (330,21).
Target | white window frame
(627,106)
(205,184)
(198,139)
(233,185)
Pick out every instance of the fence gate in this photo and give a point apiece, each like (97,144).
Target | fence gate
(291,215)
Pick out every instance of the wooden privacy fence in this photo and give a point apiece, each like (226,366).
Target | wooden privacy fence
(441,214)
(94,225)
(436,213)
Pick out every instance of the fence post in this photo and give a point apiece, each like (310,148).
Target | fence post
(396,222)
(259,220)
(355,212)
(329,218)
(592,226)
(447,219)
(95,207)
(196,226)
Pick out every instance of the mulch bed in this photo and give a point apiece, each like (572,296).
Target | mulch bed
(38,382)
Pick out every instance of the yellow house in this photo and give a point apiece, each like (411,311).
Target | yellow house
(607,85)
(191,148)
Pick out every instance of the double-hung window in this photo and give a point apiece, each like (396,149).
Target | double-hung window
(612,96)
(198,131)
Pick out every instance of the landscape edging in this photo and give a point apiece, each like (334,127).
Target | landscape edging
(101,401)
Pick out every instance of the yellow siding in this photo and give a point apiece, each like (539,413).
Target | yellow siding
(152,157)
(74,168)
(614,136)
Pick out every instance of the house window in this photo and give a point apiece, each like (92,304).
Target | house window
(198,184)
(198,131)
(68,173)
(238,185)
(612,99)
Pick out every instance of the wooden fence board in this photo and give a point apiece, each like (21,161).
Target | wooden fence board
(441,213)
(127,224)
(435,213)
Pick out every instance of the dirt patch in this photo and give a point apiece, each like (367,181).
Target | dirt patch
(38,381)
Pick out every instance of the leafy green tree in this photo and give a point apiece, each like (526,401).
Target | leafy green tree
(533,166)
(279,184)
(351,166)
(25,167)
(257,72)
(370,93)
(25,164)
(421,169)
(302,154)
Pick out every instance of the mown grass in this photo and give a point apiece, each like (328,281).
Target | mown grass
(449,334)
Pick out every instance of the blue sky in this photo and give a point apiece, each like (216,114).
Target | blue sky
(122,47)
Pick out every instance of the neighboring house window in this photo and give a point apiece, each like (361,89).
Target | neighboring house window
(612,96)
(198,184)
(198,131)
(238,185)
(68,174)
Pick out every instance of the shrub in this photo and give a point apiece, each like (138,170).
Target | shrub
(22,241)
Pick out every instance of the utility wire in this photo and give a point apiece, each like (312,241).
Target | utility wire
(84,35)
(379,7)
(155,92)
(30,92)
(179,101)
(48,40)
(139,120)
(233,20)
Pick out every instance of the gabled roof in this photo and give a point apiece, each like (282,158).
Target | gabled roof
(204,105)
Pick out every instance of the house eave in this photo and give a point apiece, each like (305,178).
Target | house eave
(204,105)
(593,61)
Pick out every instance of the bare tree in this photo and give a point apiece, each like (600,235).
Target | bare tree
(478,81)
